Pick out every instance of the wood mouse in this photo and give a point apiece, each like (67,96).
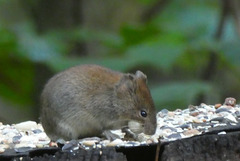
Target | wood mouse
(86,100)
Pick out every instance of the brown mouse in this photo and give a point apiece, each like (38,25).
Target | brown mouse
(87,100)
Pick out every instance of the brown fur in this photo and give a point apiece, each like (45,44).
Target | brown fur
(86,100)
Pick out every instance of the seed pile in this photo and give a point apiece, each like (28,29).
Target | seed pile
(195,120)
(23,136)
(171,125)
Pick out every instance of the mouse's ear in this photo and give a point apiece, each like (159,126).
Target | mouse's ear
(141,75)
(126,83)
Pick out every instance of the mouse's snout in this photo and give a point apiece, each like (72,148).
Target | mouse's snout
(150,126)
(136,126)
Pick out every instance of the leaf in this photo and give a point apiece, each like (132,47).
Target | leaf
(133,35)
(16,81)
(16,74)
(33,47)
(161,52)
(7,41)
(193,19)
(148,2)
(179,94)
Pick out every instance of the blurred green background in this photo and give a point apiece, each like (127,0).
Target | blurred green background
(190,50)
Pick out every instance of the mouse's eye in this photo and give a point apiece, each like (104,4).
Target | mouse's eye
(143,113)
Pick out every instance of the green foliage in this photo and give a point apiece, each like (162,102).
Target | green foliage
(16,74)
(177,43)
(147,2)
(36,48)
(137,34)
(179,94)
